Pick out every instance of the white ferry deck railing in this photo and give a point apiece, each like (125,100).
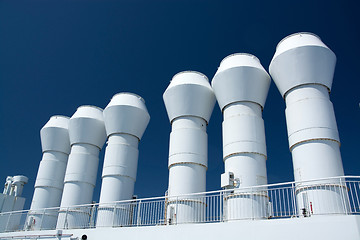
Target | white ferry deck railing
(339,195)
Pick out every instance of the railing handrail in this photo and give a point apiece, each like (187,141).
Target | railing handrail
(325,196)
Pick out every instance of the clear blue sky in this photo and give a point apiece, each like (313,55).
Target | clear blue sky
(57,55)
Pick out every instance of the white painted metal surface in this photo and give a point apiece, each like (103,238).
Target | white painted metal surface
(11,203)
(303,68)
(11,200)
(126,118)
(18,183)
(7,185)
(189,101)
(87,136)
(14,185)
(241,85)
(50,178)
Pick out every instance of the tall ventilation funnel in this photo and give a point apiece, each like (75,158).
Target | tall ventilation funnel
(87,136)
(302,69)
(50,178)
(126,118)
(241,86)
(189,101)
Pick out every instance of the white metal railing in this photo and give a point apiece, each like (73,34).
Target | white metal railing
(339,195)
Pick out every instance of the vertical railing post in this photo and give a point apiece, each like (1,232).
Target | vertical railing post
(114,215)
(294,199)
(343,195)
(176,210)
(42,219)
(138,213)
(92,215)
(7,223)
(65,220)
(252,203)
(221,211)
(356,204)
(293,202)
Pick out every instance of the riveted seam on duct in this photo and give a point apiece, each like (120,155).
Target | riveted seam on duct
(182,163)
(117,133)
(178,117)
(313,139)
(240,153)
(305,84)
(119,175)
(235,102)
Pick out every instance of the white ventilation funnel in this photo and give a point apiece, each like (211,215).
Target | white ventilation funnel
(17,185)
(126,119)
(87,136)
(189,101)
(241,86)
(303,68)
(11,201)
(50,178)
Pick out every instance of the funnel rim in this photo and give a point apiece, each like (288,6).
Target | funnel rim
(294,34)
(190,71)
(129,93)
(62,116)
(92,106)
(244,54)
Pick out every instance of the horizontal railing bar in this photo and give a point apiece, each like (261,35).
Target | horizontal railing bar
(272,201)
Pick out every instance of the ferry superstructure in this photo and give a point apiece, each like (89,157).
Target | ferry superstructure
(321,203)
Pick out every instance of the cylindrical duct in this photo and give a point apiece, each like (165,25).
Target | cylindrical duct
(126,118)
(87,136)
(189,101)
(302,69)
(241,86)
(50,178)
(7,185)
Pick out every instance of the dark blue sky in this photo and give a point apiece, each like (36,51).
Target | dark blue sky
(58,55)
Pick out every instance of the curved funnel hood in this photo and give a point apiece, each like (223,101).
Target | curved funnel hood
(55,135)
(126,113)
(189,94)
(241,77)
(302,58)
(87,126)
